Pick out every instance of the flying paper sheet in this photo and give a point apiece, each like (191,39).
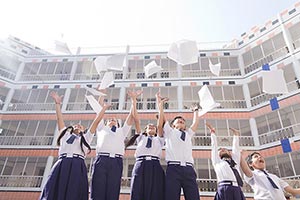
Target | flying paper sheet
(95,92)
(215,68)
(152,68)
(107,80)
(268,78)
(207,102)
(184,52)
(100,64)
(93,103)
(62,47)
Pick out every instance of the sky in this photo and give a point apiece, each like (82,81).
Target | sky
(104,23)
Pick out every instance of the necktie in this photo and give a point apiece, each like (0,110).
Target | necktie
(270,180)
(113,128)
(149,142)
(71,139)
(235,172)
(182,135)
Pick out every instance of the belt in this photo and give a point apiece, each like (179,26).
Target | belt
(233,183)
(111,155)
(180,163)
(74,155)
(147,158)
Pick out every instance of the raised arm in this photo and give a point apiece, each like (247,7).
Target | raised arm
(134,112)
(98,118)
(236,145)
(196,119)
(244,166)
(161,116)
(133,95)
(292,190)
(214,145)
(58,100)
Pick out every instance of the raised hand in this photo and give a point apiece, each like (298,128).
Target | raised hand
(160,99)
(134,94)
(195,107)
(56,97)
(235,131)
(211,128)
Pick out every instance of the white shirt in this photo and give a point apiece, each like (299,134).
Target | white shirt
(74,148)
(263,190)
(176,148)
(154,150)
(111,142)
(222,168)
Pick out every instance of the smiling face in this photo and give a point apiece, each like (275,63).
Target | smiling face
(256,161)
(178,123)
(150,129)
(224,153)
(112,122)
(78,128)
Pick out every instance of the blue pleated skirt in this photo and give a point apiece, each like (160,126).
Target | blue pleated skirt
(67,181)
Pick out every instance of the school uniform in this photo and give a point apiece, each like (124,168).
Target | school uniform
(68,177)
(263,188)
(148,177)
(229,187)
(180,172)
(108,165)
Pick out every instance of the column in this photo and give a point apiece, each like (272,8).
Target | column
(254,131)
(47,170)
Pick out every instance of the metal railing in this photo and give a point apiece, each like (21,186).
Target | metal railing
(278,134)
(208,73)
(20,181)
(267,59)
(43,77)
(222,140)
(26,140)
(7,74)
(31,107)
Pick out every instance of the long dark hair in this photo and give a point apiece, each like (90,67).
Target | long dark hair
(131,141)
(82,139)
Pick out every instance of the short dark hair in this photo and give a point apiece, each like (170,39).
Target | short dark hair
(249,158)
(177,117)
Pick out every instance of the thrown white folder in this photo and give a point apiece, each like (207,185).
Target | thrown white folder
(274,82)
(152,68)
(215,68)
(107,80)
(184,52)
(207,102)
(95,92)
(93,103)
(114,62)
(62,47)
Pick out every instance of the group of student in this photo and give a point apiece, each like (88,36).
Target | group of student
(68,178)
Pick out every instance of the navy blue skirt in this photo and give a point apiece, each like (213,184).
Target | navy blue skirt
(148,181)
(67,180)
(229,192)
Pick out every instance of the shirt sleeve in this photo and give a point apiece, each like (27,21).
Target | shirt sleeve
(282,183)
(190,132)
(167,129)
(161,141)
(125,129)
(88,137)
(214,150)
(139,138)
(100,125)
(236,152)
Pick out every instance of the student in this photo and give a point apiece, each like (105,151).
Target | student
(68,177)
(148,177)
(266,186)
(180,172)
(108,165)
(226,166)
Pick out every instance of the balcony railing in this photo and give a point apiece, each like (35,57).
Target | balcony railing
(267,59)
(31,107)
(26,140)
(7,74)
(262,98)
(208,73)
(45,77)
(278,135)
(222,140)
(21,181)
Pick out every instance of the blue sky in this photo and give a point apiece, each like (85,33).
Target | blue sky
(93,23)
